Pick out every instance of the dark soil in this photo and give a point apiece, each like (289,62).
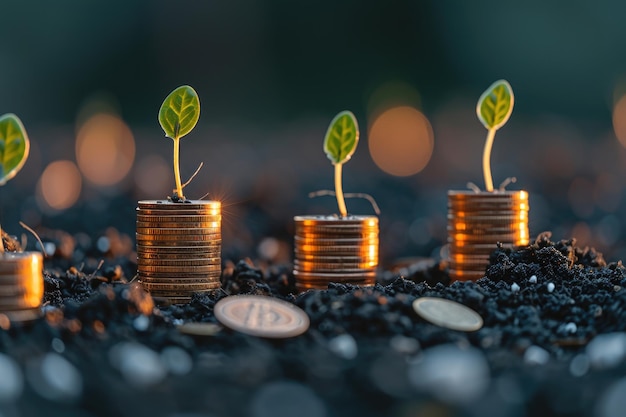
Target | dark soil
(553,343)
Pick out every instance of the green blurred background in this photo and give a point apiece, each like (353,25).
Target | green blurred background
(271,75)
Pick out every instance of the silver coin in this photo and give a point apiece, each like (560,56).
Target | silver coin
(261,316)
(448,314)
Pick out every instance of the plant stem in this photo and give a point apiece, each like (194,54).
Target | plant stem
(486,160)
(179,187)
(339,191)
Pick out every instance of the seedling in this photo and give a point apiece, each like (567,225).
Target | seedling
(14,149)
(494,109)
(178,116)
(340,143)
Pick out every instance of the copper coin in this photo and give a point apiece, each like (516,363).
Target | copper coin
(160,232)
(335,266)
(191,287)
(261,316)
(206,224)
(448,314)
(186,269)
(182,262)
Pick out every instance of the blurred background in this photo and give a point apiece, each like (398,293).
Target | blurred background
(88,78)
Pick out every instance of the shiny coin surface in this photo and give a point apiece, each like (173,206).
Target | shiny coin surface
(261,316)
(448,314)
(199,329)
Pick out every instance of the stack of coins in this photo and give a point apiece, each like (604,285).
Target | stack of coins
(21,285)
(179,248)
(477,222)
(331,249)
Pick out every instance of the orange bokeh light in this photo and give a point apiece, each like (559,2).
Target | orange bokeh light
(401,141)
(59,186)
(105,149)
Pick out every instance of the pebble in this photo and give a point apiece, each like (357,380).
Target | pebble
(514,287)
(550,286)
(57,345)
(444,372)
(536,355)
(11,380)
(607,350)
(141,323)
(579,365)
(344,346)
(55,378)
(533,279)
(571,327)
(176,360)
(140,365)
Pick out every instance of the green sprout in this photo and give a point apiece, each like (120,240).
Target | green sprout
(14,146)
(178,116)
(494,109)
(14,149)
(340,143)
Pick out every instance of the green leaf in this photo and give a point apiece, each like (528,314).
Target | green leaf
(342,137)
(14,146)
(495,105)
(180,112)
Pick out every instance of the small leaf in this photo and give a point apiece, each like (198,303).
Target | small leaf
(495,105)
(342,137)
(14,146)
(180,112)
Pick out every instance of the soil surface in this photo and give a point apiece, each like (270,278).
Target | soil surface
(553,343)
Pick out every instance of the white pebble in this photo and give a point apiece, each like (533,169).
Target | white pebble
(176,360)
(536,355)
(444,371)
(57,345)
(344,346)
(141,323)
(12,380)
(55,378)
(533,279)
(140,365)
(607,350)
(579,366)
(550,287)
(514,287)
(571,327)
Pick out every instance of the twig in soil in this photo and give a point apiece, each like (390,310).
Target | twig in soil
(25,226)
(473,187)
(194,175)
(509,180)
(93,274)
(202,198)
(348,195)
(134,278)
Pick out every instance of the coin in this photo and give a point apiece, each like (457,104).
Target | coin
(177,219)
(182,262)
(448,314)
(261,316)
(199,329)
(214,278)
(204,286)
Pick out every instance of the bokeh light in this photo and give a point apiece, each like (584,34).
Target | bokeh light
(105,149)
(154,176)
(401,141)
(59,186)
(619,120)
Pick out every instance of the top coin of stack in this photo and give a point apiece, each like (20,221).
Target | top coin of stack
(179,248)
(477,222)
(21,285)
(332,249)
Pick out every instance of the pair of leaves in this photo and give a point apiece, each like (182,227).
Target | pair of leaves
(14,146)
(495,105)
(179,112)
(341,138)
